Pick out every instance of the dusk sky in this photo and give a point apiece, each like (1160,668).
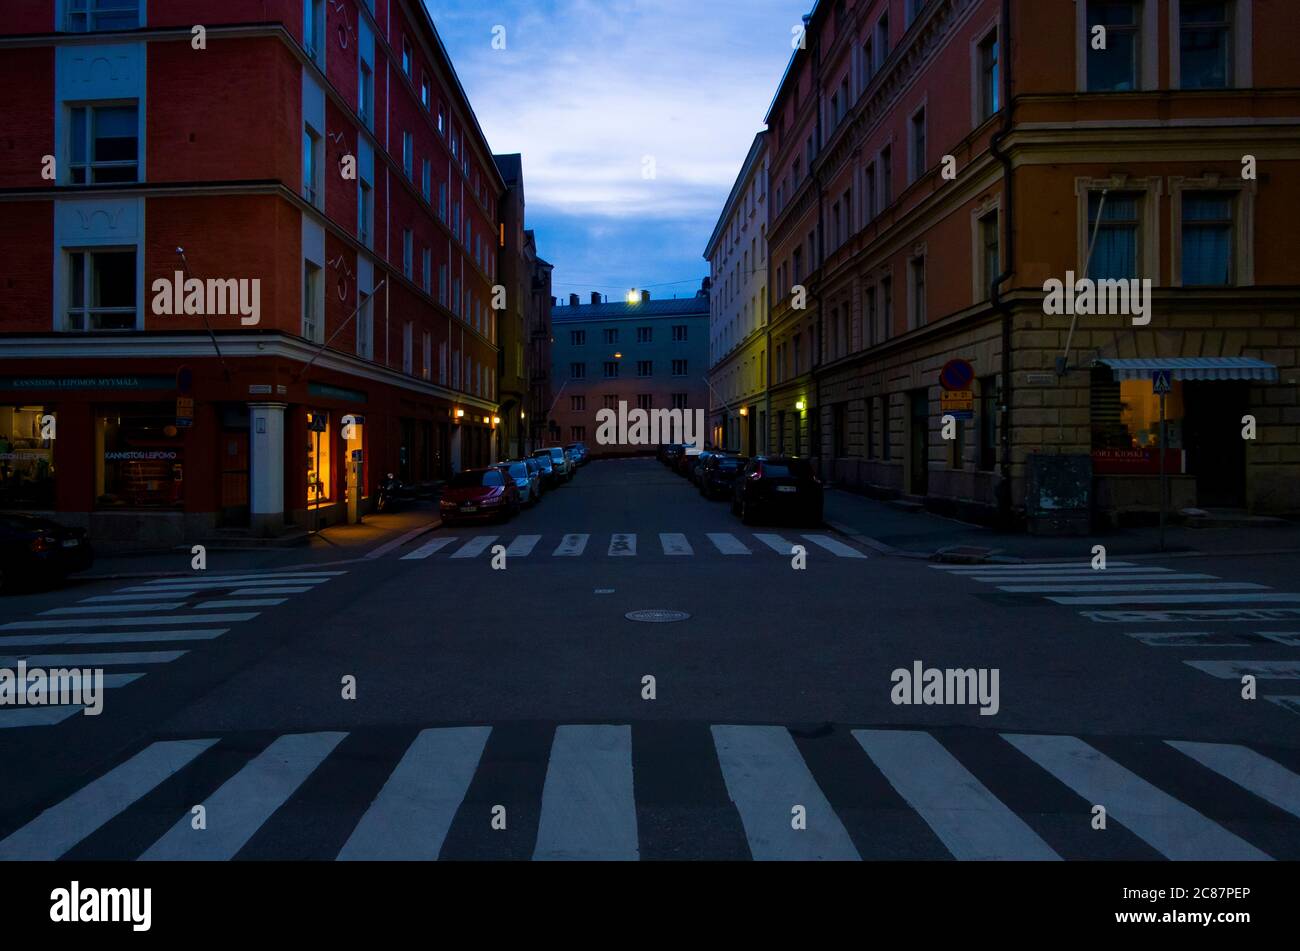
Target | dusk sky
(586,89)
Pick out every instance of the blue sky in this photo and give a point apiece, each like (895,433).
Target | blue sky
(586,90)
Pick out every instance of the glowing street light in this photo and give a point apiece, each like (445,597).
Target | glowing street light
(801,406)
(633,296)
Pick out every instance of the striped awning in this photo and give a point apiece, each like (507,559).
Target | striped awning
(1191,368)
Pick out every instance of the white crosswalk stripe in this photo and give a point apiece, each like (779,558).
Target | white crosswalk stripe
(622,545)
(1171,827)
(728,544)
(969,820)
(674,543)
(1236,669)
(1040,566)
(522,546)
(625,545)
(112,637)
(474,547)
(429,548)
(589,805)
(115,608)
(1224,598)
(1130,588)
(239,603)
(571,546)
(837,548)
(776,543)
(117,659)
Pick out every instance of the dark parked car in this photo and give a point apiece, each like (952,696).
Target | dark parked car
(479,494)
(550,478)
(778,487)
(670,453)
(718,473)
(579,450)
(535,473)
(36,551)
(524,480)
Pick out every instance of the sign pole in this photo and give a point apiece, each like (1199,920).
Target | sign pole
(1164,485)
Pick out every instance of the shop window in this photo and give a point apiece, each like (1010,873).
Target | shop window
(320,487)
(1126,414)
(101,290)
(27,436)
(139,457)
(354,441)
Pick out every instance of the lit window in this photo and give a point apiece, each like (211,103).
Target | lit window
(310,165)
(320,488)
(989,90)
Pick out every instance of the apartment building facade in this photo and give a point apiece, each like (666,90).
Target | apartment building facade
(320,156)
(539,342)
(737,256)
(936,162)
(646,354)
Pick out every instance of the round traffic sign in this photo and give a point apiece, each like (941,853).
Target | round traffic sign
(957,375)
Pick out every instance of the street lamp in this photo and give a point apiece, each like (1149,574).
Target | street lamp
(744,411)
(801,406)
(632,296)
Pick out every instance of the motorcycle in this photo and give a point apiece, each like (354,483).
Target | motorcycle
(390,494)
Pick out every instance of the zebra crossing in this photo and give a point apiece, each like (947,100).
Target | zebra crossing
(1154,595)
(631,545)
(605,792)
(171,615)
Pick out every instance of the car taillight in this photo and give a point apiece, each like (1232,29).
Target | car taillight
(42,543)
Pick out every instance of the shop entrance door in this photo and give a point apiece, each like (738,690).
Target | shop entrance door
(233,469)
(1216,453)
(920,455)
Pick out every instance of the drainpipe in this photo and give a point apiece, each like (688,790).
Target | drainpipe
(995,295)
(814,424)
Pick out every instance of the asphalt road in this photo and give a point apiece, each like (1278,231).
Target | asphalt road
(505,713)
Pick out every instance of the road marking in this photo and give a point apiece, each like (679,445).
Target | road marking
(1172,828)
(162,588)
(262,577)
(1268,780)
(1289,638)
(1236,669)
(766,778)
(1192,617)
(94,660)
(971,822)
(776,543)
(728,544)
(835,547)
(1043,566)
(1185,638)
(118,608)
(114,637)
(398,542)
(1120,588)
(125,621)
(429,548)
(1286,703)
(570,546)
(1096,577)
(522,546)
(62,826)
(675,544)
(14,718)
(588,805)
(247,800)
(1182,599)
(409,818)
(474,547)
(622,545)
(240,603)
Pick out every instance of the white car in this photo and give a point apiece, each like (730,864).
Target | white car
(562,461)
(523,479)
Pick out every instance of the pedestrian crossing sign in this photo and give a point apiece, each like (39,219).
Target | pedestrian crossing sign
(1161,381)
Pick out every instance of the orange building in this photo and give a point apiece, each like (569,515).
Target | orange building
(935,163)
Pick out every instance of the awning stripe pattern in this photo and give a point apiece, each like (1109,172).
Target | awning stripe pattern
(1191,368)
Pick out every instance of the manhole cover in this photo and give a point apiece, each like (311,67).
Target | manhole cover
(656,616)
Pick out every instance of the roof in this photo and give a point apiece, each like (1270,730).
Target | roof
(1191,368)
(616,310)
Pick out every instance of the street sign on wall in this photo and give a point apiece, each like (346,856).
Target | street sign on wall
(957,375)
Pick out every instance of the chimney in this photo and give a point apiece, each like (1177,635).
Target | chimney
(552,300)
(595,297)
(573,300)
(645,297)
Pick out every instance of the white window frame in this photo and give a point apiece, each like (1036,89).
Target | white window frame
(1148,46)
(87,310)
(1148,220)
(991,205)
(90,164)
(1242,51)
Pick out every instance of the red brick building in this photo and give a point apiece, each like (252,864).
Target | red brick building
(336,202)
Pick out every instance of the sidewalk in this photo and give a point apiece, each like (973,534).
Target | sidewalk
(334,545)
(920,534)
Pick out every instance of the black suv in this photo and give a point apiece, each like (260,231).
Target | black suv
(778,487)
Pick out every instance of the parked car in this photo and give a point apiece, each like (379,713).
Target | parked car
(562,463)
(686,461)
(479,494)
(37,552)
(550,478)
(517,470)
(718,474)
(535,473)
(778,487)
(579,451)
(670,453)
(694,472)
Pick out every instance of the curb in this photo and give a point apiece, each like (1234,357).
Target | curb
(850,532)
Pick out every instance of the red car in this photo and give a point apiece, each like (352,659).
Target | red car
(479,494)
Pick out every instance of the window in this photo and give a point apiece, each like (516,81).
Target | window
(611,335)
(644,401)
(872,316)
(644,334)
(101,290)
(310,165)
(988,423)
(1205,44)
(679,400)
(645,368)
(679,368)
(611,401)
(870,409)
(442,121)
(868,62)
(442,284)
(989,90)
(365,211)
(424,91)
(87,16)
(426,180)
(142,454)
(442,201)
(886,309)
(428,271)
(835,225)
(679,333)
(366,96)
(918,144)
(1115,253)
(320,488)
(365,328)
(913,8)
(408,345)
(916,270)
(455,296)
(798,355)
(840,430)
(989,251)
(408,155)
(882,38)
(1207,238)
(426,366)
(27,435)
(578,433)
(611,369)
(408,253)
(869,194)
(886,448)
(406,57)
(313,27)
(577,403)
(1114,69)
(578,338)
(312,298)
(886,176)
(105,145)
